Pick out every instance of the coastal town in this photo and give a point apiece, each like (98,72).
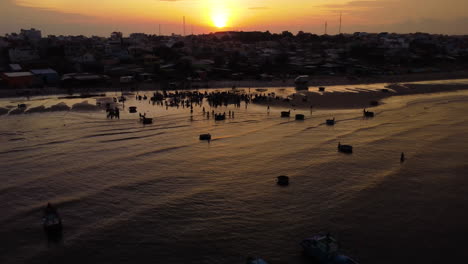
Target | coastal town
(32,61)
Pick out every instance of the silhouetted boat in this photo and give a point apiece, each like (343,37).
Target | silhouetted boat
(251,260)
(205,137)
(132,109)
(325,250)
(345,148)
(286,113)
(302,82)
(368,113)
(321,89)
(219,117)
(145,120)
(300,117)
(51,221)
(331,122)
(282,180)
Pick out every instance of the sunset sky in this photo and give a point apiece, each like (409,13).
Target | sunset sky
(100,17)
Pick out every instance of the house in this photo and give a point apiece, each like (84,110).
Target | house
(17,79)
(48,76)
(25,54)
(15,67)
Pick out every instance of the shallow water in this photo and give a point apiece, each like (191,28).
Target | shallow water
(133,193)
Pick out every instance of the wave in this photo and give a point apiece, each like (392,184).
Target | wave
(131,138)
(158,151)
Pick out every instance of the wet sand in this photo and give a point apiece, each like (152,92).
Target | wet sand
(361,99)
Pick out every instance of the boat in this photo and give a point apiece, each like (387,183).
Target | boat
(51,221)
(300,117)
(205,137)
(282,180)
(302,82)
(132,109)
(285,113)
(325,250)
(330,122)
(368,113)
(321,89)
(345,148)
(145,120)
(251,260)
(219,117)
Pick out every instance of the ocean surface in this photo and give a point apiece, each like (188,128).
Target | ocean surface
(133,193)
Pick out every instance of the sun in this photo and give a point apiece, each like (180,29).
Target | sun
(220,19)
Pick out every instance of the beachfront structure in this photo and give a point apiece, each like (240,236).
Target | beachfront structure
(48,76)
(17,79)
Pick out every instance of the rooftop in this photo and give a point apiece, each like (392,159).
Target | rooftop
(17,74)
(43,71)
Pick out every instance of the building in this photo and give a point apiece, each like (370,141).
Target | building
(18,55)
(32,35)
(48,76)
(17,79)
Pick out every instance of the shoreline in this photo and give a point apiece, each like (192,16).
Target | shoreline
(306,99)
(358,100)
(322,80)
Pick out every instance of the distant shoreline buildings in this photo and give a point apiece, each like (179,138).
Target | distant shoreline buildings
(27,59)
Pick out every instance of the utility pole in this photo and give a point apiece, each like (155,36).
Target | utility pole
(326,27)
(159,29)
(340,23)
(184,24)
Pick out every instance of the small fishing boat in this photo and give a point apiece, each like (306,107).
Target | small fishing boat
(205,137)
(300,117)
(325,250)
(302,82)
(145,120)
(345,148)
(282,180)
(251,260)
(132,109)
(368,113)
(219,117)
(51,221)
(286,113)
(330,122)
